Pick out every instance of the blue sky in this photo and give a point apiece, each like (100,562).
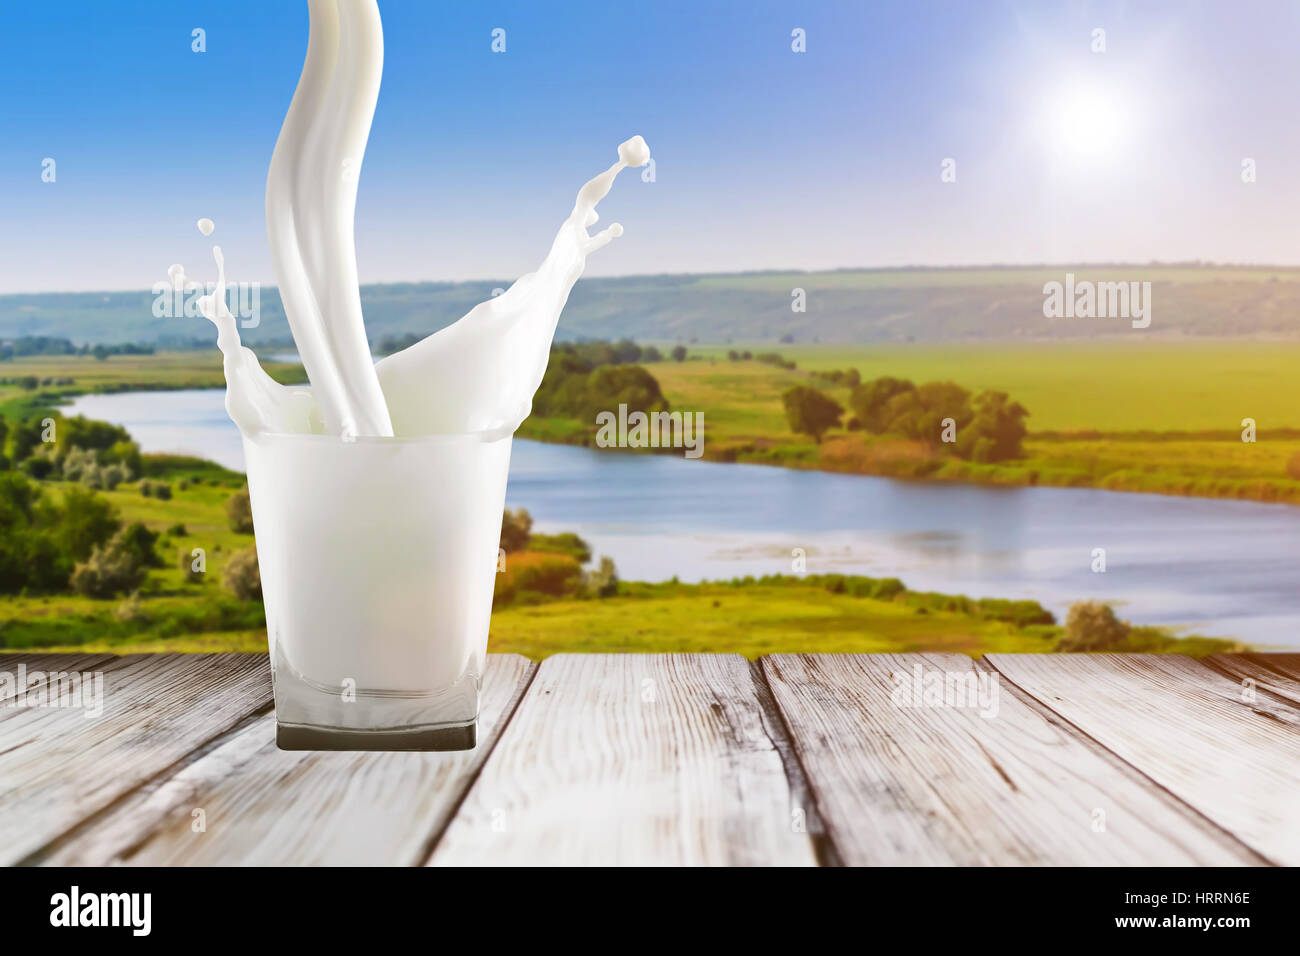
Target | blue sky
(765,158)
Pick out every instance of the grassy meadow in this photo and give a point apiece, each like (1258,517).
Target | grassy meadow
(1152,416)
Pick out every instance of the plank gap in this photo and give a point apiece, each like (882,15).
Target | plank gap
(801,793)
(1176,803)
(507,715)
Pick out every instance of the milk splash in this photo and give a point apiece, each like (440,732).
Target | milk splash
(478,374)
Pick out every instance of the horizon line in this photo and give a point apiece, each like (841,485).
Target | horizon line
(978,267)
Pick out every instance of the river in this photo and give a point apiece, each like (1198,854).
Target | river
(1212,566)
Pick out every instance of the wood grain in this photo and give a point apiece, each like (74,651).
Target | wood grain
(259,805)
(1234,757)
(1288,664)
(1278,674)
(905,779)
(58,766)
(632,759)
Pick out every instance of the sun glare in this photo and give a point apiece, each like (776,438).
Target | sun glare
(1088,124)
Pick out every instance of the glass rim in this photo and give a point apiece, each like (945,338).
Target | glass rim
(485,436)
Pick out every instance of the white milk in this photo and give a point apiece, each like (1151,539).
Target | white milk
(311,197)
(377,492)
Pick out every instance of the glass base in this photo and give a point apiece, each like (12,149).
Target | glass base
(298,737)
(313,714)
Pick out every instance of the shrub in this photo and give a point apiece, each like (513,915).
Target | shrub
(516,530)
(111,569)
(537,574)
(113,475)
(87,520)
(177,530)
(564,543)
(602,581)
(38,467)
(242,576)
(77,461)
(886,589)
(125,453)
(139,541)
(1093,626)
(186,561)
(131,611)
(239,511)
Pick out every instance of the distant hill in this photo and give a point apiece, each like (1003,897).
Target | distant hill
(850,306)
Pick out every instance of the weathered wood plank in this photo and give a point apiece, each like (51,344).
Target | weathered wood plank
(44,663)
(1234,757)
(58,766)
(264,806)
(1276,673)
(905,776)
(1288,664)
(632,759)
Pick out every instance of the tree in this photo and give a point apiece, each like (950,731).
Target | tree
(239,511)
(626,351)
(870,402)
(27,437)
(810,412)
(614,385)
(1092,626)
(996,430)
(88,520)
(679,353)
(242,576)
(139,541)
(602,581)
(516,528)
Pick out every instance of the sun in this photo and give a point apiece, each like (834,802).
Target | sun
(1088,124)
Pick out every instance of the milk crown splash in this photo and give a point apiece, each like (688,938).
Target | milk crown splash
(478,374)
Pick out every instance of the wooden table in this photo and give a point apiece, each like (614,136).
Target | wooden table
(681,759)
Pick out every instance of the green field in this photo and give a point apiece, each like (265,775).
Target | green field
(1115,385)
(1163,418)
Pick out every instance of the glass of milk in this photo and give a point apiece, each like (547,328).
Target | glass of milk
(378,558)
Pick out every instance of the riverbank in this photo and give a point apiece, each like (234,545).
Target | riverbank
(1160,417)
(1149,418)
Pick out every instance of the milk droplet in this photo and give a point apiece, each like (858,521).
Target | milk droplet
(206,226)
(634,152)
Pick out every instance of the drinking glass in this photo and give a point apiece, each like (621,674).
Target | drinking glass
(378,559)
